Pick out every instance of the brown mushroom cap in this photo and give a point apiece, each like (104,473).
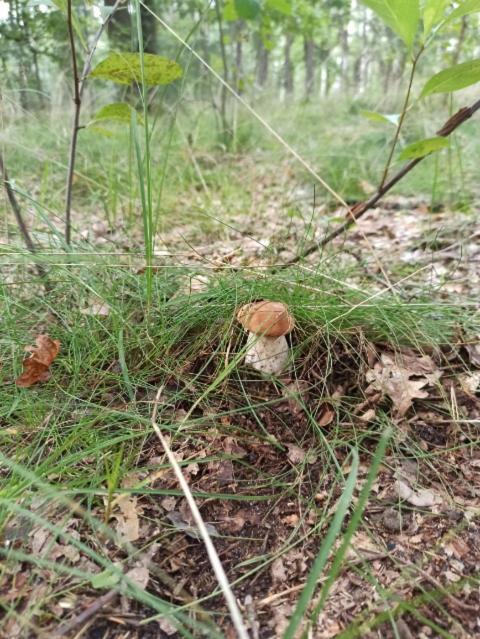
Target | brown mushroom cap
(266,318)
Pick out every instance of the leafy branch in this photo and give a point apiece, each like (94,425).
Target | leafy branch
(356,212)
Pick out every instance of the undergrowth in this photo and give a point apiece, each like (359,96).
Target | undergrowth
(73,446)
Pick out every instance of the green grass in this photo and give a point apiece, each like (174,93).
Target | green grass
(72,440)
(68,445)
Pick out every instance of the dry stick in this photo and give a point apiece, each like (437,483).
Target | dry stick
(20,221)
(215,562)
(78,87)
(361,208)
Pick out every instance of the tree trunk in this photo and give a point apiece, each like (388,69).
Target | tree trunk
(238,34)
(345,44)
(288,80)
(309,58)
(261,67)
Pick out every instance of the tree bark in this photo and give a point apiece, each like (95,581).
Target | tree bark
(309,59)
(288,79)
(262,62)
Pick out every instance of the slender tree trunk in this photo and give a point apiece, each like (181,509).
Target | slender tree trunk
(288,80)
(226,129)
(309,59)
(262,62)
(238,35)
(345,45)
(38,80)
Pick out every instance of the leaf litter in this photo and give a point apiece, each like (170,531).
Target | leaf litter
(445,522)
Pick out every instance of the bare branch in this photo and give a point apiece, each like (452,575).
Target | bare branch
(78,87)
(19,218)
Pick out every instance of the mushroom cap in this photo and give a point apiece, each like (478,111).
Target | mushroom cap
(271,319)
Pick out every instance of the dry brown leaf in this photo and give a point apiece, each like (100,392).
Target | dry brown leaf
(36,367)
(473,350)
(327,417)
(393,376)
(277,569)
(421,497)
(128,524)
(295,454)
(96,309)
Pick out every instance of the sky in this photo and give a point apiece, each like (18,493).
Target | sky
(3,10)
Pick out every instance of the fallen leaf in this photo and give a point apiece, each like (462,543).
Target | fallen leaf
(421,497)
(166,627)
(232,524)
(192,531)
(470,382)
(96,309)
(168,503)
(278,571)
(36,367)
(140,575)
(128,524)
(473,350)
(393,376)
(295,454)
(327,417)
(368,416)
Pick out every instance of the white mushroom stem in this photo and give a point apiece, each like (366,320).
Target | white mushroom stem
(267,354)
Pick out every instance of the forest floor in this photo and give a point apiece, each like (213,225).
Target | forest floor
(267,460)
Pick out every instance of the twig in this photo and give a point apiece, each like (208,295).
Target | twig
(402,118)
(361,208)
(20,221)
(78,87)
(91,610)
(212,553)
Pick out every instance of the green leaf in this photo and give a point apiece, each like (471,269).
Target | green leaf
(124,68)
(104,579)
(454,78)
(422,148)
(389,118)
(116,112)
(402,16)
(247,9)
(466,7)
(433,13)
(230,12)
(283,6)
(101,130)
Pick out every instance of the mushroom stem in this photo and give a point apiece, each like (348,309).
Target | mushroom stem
(266,354)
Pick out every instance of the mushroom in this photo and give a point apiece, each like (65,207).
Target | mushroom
(267,324)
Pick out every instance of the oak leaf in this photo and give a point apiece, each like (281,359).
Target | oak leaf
(36,367)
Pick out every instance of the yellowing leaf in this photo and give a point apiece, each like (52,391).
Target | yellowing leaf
(125,68)
(116,112)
